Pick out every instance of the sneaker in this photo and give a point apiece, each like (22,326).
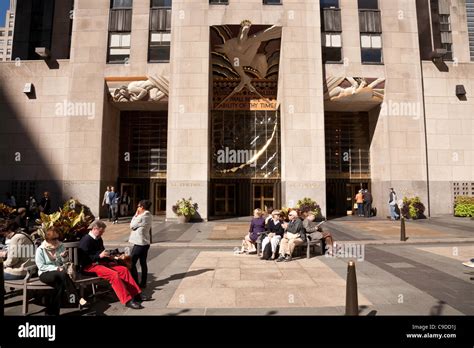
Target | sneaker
(469,264)
(82,302)
(280,259)
(134,305)
(288,258)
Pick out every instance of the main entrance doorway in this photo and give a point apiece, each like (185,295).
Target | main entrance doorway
(347,160)
(143,157)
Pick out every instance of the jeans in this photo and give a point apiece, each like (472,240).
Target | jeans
(368,209)
(62,285)
(109,212)
(393,212)
(360,209)
(140,253)
(123,210)
(113,211)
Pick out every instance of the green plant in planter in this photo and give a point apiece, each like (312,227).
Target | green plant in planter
(413,208)
(464,206)
(306,205)
(185,207)
(6,212)
(72,220)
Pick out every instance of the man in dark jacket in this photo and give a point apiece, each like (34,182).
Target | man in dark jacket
(95,259)
(295,235)
(367,204)
(45,204)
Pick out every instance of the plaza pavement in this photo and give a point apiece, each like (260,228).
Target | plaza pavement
(194,271)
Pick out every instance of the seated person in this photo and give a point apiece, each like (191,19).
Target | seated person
(311,228)
(19,254)
(94,259)
(257,227)
(294,235)
(51,257)
(275,232)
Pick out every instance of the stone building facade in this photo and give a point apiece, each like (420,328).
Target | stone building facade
(371,94)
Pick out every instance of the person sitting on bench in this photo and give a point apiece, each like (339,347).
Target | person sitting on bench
(50,260)
(19,253)
(312,229)
(94,259)
(295,235)
(275,232)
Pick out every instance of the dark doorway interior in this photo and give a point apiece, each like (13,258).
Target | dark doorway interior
(347,160)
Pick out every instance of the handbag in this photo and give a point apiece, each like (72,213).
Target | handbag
(70,269)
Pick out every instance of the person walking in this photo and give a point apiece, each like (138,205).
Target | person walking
(359,198)
(124,204)
(392,203)
(106,203)
(113,205)
(140,237)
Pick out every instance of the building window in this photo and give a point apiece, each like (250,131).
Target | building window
(219,2)
(446,35)
(120,27)
(371,48)
(9,42)
(370,26)
(160,31)
(332,31)
(272,2)
(470,25)
(10,33)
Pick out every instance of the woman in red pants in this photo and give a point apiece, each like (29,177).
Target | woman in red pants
(94,259)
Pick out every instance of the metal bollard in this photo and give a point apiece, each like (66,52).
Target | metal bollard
(352,301)
(2,290)
(403,236)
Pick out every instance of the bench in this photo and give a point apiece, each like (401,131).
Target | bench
(316,245)
(32,281)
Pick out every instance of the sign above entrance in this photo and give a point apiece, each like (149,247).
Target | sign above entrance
(245,65)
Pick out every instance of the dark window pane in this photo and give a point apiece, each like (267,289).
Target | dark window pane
(332,54)
(329,3)
(219,2)
(371,55)
(118,58)
(120,20)
(160,3)
(272,2)
(160,19)
(122,3)
(332,20)
(159,54)
(370,22)
(368,4)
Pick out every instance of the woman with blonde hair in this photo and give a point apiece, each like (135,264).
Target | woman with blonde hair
(257,227)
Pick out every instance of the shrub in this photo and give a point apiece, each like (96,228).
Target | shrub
(464,206)
(72,220)
(185,207)
(413,208)
(6,212)
(306,205)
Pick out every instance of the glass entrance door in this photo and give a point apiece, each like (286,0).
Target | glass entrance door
(159,203)
(135,192)
(263,196)
(224,199)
